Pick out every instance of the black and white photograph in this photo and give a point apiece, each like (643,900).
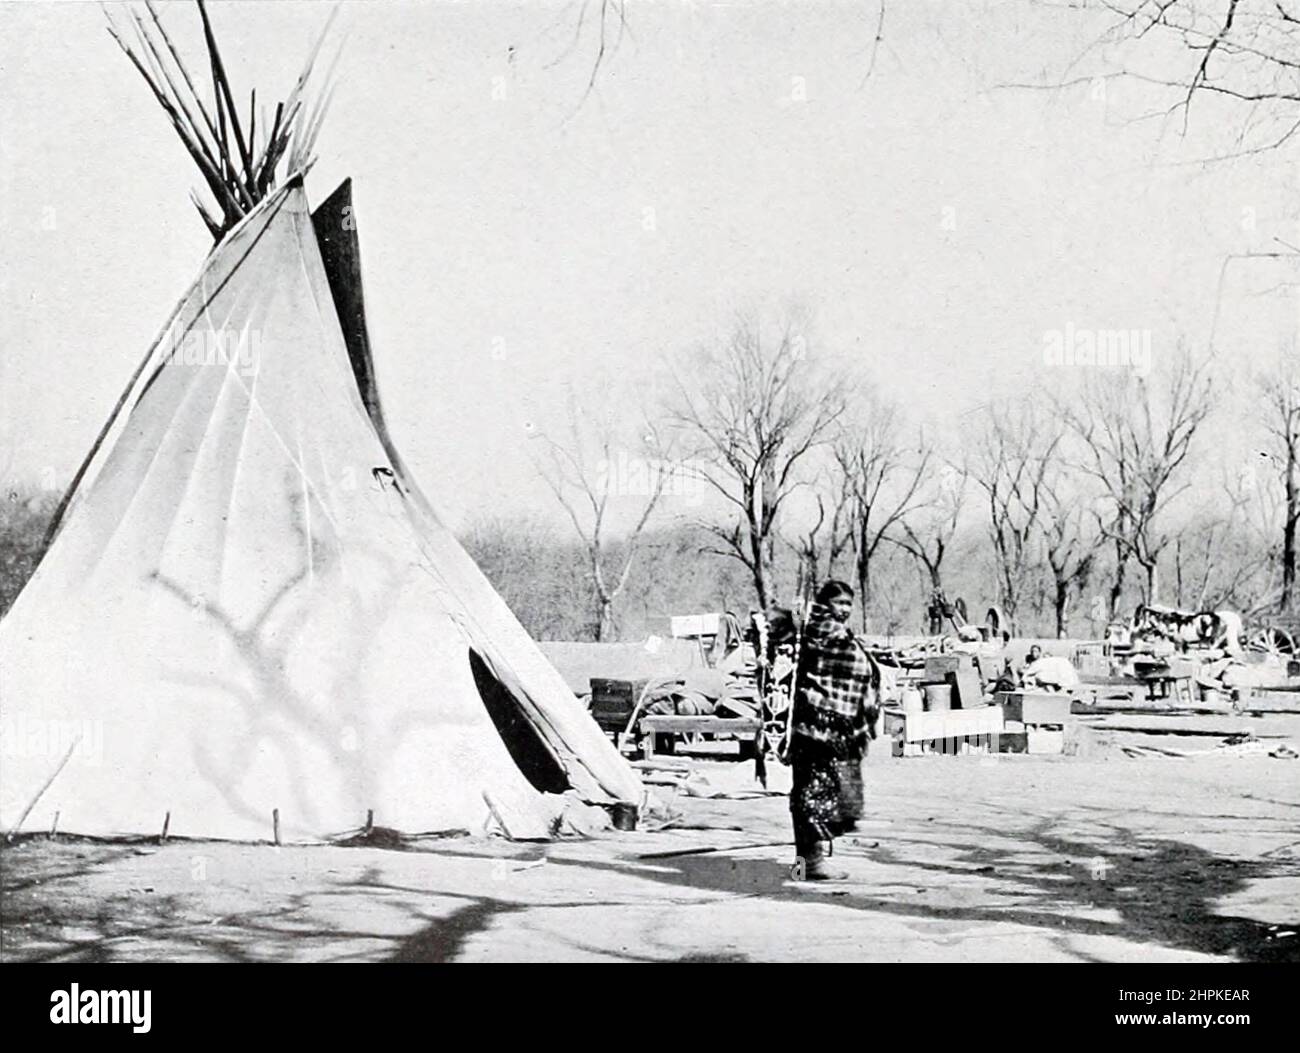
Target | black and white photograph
(596,481)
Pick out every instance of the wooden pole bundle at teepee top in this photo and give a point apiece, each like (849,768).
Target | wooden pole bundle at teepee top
(238,180)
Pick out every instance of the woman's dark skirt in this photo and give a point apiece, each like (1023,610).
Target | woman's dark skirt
(852,794)
(814,793)
(826,793)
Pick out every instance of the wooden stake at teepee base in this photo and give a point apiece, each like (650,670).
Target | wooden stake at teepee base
(54,826)
(494,814)
(275,823)
(167,821)
(370,821)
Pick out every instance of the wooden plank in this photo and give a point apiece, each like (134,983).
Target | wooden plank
(1218,727)
(665,725)
(1111,681)
(967,688)
(1271,700)
(738,707)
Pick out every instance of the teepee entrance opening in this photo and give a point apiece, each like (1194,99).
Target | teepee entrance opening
(526,746)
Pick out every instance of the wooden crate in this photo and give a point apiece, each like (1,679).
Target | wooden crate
(692,625)
(612,702)
(938,666)
(955,747)
(958,672)
(1034,707)
(953,723)
(954,731)
(1031,740)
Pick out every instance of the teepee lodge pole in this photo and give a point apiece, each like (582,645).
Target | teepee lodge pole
(219,73)
(240,180)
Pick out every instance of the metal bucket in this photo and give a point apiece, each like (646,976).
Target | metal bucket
(625,816)
(938,698)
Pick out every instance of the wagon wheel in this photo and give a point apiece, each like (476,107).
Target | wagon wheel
(1272,641)
(959,609)
(996,622)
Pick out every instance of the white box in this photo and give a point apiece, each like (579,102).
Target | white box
(691,625)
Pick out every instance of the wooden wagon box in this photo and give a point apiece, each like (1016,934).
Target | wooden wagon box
(1034,707)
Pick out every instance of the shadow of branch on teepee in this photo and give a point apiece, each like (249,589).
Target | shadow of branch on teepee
(275,655)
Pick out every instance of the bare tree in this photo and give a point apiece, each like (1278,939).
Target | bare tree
(1136,442)
(1242,53)
(586,471)
(609,22)
(1069,549)
(823,541)
(926,535)
(879,477)
(1280,390)
(750,409)
(540,576)
(1012,459)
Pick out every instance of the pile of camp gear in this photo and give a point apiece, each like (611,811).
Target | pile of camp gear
(1177,655)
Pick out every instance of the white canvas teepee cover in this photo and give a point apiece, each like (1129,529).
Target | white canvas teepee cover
(247,609)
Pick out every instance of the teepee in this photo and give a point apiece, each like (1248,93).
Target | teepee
(249,620)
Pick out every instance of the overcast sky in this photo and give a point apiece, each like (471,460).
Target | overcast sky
(518,236)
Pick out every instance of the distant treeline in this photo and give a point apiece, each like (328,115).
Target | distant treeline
(544,576)
(24,518)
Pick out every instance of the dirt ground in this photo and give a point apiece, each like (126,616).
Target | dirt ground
(1100,857)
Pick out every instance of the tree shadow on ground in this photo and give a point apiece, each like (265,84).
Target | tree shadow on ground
(432,925)
(1114,883)
(1163,891)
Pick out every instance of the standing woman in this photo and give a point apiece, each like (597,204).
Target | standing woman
(835,690)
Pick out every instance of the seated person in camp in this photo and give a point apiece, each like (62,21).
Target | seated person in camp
(1051,673)
(1035,653)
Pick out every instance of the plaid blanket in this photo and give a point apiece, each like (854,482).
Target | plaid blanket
(836,684)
